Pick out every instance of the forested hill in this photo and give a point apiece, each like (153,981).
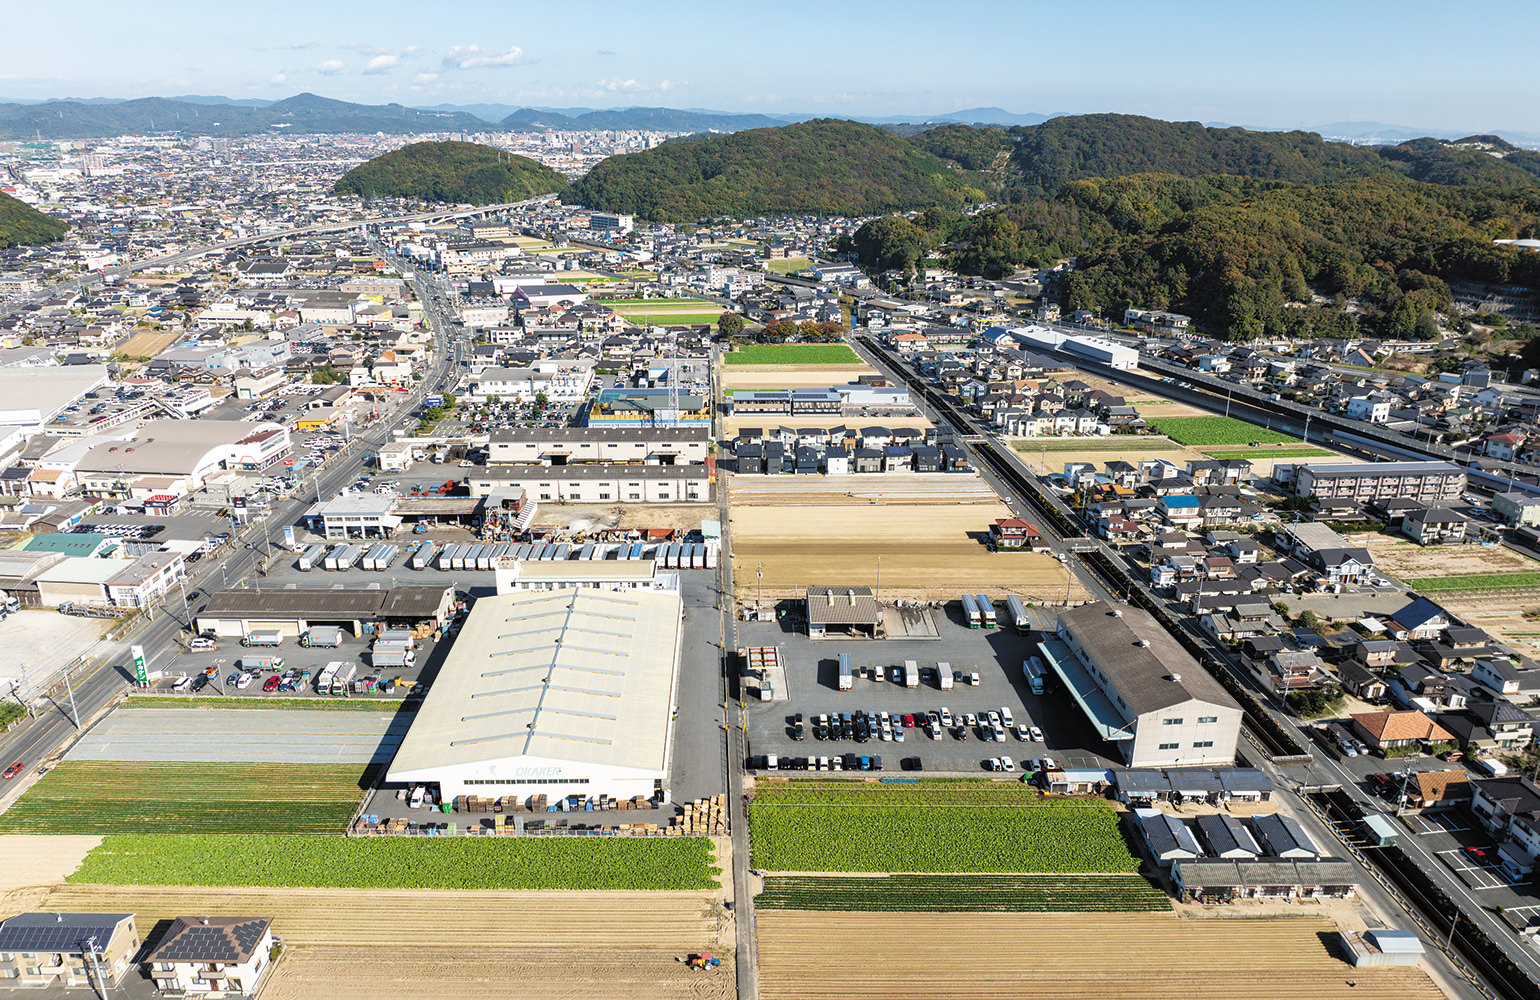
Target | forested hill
(823,167)
(451,172)
(21,224)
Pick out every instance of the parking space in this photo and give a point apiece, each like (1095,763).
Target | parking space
(995,655)
(1449,822)
(1477,867)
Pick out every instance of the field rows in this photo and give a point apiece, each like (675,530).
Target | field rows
(351,917)
(1204,431)
(1063,956)
(964,893)
(793,354)
(1484,581)
(81,797)
(404,863)
(943,827)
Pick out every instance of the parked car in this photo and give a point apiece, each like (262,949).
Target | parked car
(271,684)
(202,643)
(244,681)
(1037,734)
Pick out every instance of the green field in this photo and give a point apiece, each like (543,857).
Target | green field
(787,266)
(357,704)
(655,305)
(1481,581)
(958,826)
(793,354)
(964,893)
(1303,451)
(610,863)
(1205,431)
(119,797)
(1117,442)
(671,318)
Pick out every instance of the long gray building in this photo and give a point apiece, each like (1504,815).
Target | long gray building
(1141,690)
(580,445)
(1429,482)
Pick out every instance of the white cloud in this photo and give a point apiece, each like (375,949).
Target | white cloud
(277,78)
(422,78)
(615,83)
(303,45)
(380,64)
(330,67)
(665,85)
(411,50)
(475,57)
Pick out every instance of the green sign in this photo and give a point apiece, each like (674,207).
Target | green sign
(140,674)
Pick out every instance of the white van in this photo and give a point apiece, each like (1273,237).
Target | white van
(183,685)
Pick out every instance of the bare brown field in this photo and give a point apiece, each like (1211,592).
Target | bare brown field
(1408,560)
(756,490)
(34,864)
(148,343)
(791,376)
(1098,454)
(927,551)
(456,944)
(1072,956)
(589,517)
(1501,617)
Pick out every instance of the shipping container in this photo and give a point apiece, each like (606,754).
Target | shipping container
(387,558)
(638,550)
(536,551)
(1018,613)
(971,612)
(847,679)
(522,551)
(446,557)
(423,557)
(713,549)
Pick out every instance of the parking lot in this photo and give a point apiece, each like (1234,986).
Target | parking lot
(995,655)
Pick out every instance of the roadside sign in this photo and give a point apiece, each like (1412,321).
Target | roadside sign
(140,674)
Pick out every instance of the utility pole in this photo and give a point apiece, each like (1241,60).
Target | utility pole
(70,688)
(96,969)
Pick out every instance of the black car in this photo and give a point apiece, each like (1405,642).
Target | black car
(912,764)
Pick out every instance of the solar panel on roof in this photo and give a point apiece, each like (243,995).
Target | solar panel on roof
(45,932)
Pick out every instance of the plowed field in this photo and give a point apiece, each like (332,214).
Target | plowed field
(808,956)
(448,944)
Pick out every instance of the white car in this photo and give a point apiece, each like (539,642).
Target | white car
(946,717)
(1006,764)
(1005,716)
(970,720)
(994,720)
(1021,733)
(201,642)
(1037,734)
(244,681)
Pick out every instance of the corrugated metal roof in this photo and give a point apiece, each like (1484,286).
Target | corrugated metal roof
(568,675)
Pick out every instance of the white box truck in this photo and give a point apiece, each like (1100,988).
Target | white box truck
(944,676)
(847,678)
(1018,612)
(986,610)
(911,674)
(423,557)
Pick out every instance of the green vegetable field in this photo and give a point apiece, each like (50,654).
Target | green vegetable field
(964,893)
(158,797)
(960,826)
(611,863)
(1481,581)
(1204,431)
(793,354)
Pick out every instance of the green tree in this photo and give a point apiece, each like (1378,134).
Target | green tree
(730,324)
(1308,619)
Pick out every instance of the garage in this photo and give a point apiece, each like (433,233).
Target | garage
(235,613)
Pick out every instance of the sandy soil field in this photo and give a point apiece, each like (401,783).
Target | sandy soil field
(33,864)
(1406,559)
(1502,618)
(858,489)
(148,343)
(467,944)
(928,551)
(791,376)
(1150,957)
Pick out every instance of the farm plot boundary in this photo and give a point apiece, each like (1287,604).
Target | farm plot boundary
(964,893)
(1207,431)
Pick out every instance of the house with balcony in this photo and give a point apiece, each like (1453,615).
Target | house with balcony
(78,950)
(212,956)
(1509,809)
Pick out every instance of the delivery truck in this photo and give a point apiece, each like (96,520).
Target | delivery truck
(1017,610)
(911,674)
(1036,674)
(342,677)
(263,637)
(847,678)
(944,676)
(971,613)
(986,610)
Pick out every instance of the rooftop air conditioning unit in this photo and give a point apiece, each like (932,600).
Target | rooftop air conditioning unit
(1117,612)
(1176,678)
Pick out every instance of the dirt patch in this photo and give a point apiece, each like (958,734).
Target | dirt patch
(1156,956)
(1097,453)
(927,551)
(858,489)
(589,517)
(34,864)
(791,376)
(1407,560)
(1504,619)
(148,343)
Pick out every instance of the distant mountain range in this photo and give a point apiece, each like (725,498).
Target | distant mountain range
(215,115)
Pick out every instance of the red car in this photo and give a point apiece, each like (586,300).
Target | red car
(908,721)
(272,683)
(14,769)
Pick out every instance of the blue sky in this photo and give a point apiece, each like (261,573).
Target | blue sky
(1302,63)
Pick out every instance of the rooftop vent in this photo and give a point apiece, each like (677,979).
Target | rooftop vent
(1117,612)
(1144,642)
(1175,678)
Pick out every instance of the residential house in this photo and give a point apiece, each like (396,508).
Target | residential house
(1389,730)
(212,956)
(1434,525)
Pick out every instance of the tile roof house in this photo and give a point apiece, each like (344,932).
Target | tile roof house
(1399,729)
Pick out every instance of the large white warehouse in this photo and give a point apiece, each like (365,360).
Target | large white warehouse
(567,692)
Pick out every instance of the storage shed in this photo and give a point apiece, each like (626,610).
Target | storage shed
(1381,947)
(1168,838)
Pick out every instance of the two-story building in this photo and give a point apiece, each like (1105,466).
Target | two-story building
(212,956)
(79,950)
